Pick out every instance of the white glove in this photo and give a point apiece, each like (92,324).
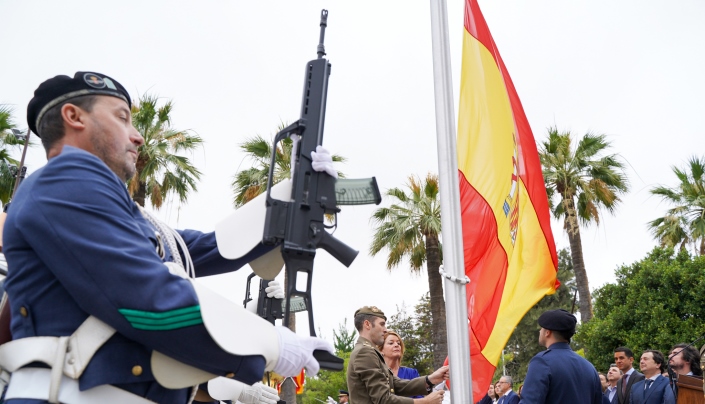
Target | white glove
(322,161)
(296,352)
(258,393)
(273,290)
(222,388)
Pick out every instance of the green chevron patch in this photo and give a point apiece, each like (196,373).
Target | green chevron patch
(164,321)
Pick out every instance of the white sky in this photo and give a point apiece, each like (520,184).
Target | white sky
(630,69)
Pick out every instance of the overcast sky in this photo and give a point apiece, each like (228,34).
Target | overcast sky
(632,70)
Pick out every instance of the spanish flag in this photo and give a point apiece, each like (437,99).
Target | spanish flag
(510,255)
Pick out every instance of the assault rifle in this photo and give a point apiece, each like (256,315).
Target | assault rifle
(298,224)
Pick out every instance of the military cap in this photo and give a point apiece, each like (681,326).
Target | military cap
(558,320)
(342,393)
(372,311)
(63,88)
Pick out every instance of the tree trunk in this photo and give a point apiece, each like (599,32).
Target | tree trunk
(141,194)
(576,253)
(439,332)
(288,392)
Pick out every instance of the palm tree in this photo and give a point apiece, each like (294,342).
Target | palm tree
(685,222)
(161,170)
(251,182)
(9,141)
(585,181)
(411,228)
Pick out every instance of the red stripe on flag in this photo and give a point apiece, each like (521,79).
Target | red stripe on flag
(485,289)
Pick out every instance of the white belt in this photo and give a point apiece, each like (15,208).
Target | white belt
(34,383)
(69,355)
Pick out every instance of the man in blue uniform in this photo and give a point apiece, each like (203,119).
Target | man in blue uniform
(104,286)
(558,375)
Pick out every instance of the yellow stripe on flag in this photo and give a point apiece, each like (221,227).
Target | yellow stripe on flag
(485,158)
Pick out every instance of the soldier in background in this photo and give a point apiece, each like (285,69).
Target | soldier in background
(558,375)
(369,378)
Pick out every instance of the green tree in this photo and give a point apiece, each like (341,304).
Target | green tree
(584,180)
(655,303)
(684,223)
(162,170)
(523,343)
(344,339)
(9,144)
(415,330)
(411,228)
(326,384)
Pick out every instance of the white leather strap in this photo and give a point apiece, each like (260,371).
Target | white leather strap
(57,369)
(84,343)
(33,383)
(234,243)
(74,354)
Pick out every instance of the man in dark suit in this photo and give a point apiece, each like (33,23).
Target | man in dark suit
(624,358)
(508,395)
(654,389)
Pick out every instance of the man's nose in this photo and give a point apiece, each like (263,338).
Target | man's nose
(136,137)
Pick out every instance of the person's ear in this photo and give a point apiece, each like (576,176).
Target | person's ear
(73,116)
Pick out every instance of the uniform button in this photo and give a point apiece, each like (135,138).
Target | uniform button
(23,311)
(137,370)
(230,375)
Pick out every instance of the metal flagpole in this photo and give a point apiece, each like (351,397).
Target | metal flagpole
(453,265)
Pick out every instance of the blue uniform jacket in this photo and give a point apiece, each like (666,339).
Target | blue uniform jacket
(658,393)
(559,376)
(77,245)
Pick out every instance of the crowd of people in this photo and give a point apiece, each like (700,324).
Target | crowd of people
(621,384)
(556,375)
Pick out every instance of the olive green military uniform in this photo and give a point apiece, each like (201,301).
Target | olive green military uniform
(370,381)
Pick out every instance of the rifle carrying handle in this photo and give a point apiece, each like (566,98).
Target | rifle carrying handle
(328,361)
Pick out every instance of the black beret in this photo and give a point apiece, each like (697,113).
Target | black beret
(558,320)
(370,310)
(62,88)
(342,393)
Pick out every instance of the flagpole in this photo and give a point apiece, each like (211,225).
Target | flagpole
(453,263)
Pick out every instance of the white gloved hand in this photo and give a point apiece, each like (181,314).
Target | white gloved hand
(274,290)
(258,393)
(296,352)
(322,161)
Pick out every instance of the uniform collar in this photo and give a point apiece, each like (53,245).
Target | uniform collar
(559,345)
